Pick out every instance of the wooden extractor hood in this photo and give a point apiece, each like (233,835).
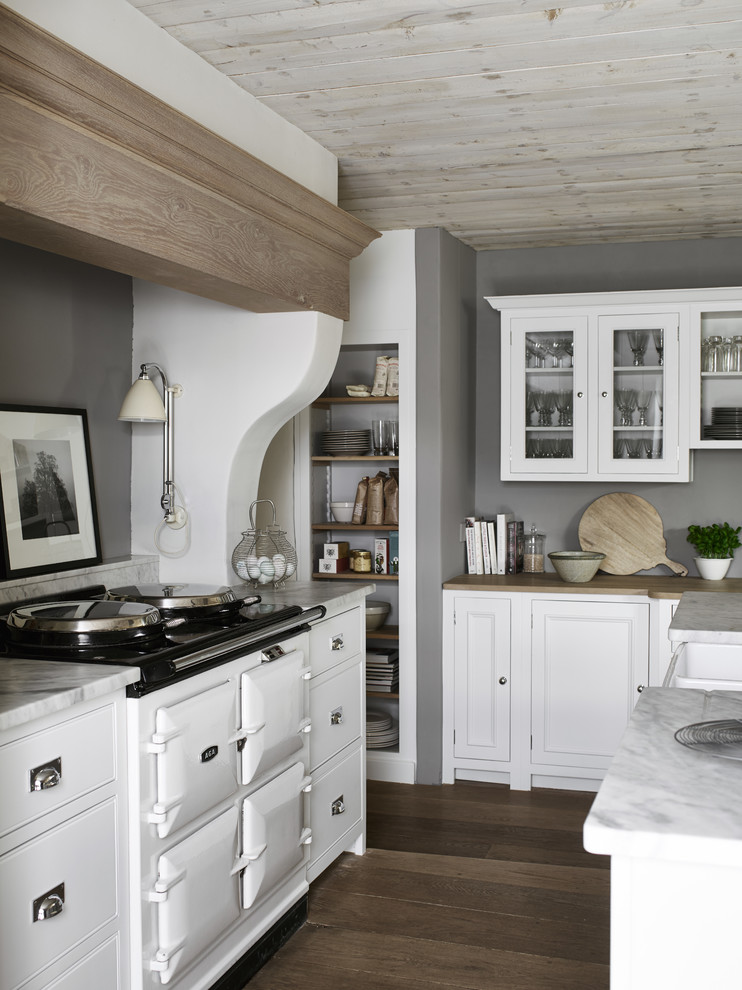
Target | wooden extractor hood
(94,168)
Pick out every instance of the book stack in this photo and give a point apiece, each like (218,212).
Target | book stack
(382,670)
(494,546)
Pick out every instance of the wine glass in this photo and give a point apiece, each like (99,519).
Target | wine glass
(564,406)
(633,447)
(643,399)
(548,404)
(659,345)
(626,402)
(531,405)
(638,345)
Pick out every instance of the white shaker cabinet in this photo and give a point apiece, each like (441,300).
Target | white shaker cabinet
(538,689)
(590,388)
(590,663)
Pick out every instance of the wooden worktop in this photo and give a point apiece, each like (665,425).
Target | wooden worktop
(647,585)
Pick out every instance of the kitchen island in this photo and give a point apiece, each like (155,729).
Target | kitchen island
(670,818)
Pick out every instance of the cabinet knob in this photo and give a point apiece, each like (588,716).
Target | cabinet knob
(337,643)
(49,904)
(604,394)
(579,395)
(503,680)
(46,776)
(640,688)
(338,806)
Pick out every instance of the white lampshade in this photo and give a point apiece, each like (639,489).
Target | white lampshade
(143,403)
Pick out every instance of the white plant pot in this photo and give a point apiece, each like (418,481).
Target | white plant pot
(713,568)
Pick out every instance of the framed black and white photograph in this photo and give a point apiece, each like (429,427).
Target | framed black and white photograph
(48,518)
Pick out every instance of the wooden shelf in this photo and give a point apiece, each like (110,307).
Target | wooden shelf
(354,576)
(386,632)
(325,401)
(360,527)
(334,458)
(382,694)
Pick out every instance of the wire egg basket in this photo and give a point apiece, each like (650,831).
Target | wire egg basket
(264,556)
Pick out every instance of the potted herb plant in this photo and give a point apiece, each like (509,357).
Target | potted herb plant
(715,545)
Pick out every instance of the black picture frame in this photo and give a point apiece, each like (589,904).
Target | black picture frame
(48,517)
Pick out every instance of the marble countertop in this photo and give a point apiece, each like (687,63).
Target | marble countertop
(336,595)
(663,800)
(707,617)
(30,689)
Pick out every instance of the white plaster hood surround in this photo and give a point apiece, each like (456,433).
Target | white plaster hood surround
(244,375)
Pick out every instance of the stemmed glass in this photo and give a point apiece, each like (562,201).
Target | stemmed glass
(548,404)
(564,406)
(531,404)
(537,351)
(659,345)
(626,402)
(633,447)
(643,400)
(638,345)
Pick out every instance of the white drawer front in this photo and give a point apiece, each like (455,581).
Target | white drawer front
(81,855)
(70,759)
(336,803)
(335,639)
(335,706)
(98,970)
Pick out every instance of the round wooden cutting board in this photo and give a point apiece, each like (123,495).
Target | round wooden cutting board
(629,531)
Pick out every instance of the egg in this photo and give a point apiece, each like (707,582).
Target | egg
(279,565)
(290,568)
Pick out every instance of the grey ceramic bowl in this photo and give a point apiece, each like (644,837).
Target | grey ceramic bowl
(576,566)
(376,614)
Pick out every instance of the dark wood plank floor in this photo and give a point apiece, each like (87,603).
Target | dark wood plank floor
(467,886)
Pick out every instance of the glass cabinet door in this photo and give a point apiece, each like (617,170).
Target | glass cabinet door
(548,409)
(638,394)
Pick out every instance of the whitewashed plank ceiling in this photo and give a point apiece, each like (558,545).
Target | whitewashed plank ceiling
(506,123)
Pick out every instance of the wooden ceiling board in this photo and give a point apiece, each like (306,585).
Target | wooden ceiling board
(507,123)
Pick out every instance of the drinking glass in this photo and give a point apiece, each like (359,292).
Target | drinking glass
(531,405)
(626,402)
(737,357)
(638,345)
(712,357)
(659,345)
(548,405)
(619,447)
(633,447)
(378,437)
(564,406)
(391,436)
(643,400)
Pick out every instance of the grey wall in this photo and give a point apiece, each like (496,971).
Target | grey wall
(66,331)
(445,457)
(715,494)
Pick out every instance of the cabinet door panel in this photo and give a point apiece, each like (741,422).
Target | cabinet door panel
(589,660)
(545,371)
(638,417)
(481,661)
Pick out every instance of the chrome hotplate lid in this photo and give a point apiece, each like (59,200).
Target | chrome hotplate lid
(82,617)
(181,596)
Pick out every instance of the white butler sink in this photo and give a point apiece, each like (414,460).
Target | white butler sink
(706,667)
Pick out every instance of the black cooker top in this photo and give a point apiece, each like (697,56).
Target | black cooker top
(94,628)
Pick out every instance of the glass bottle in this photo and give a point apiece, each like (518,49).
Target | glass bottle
(533,552)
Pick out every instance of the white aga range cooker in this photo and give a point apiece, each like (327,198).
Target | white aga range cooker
(222,819)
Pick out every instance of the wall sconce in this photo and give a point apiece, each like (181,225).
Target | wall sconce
(144,405)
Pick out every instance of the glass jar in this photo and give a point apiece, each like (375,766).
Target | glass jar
(533,552)
(360,561)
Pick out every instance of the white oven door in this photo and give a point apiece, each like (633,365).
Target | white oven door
(196,894)
(195,756)
(274,711)
(275,839)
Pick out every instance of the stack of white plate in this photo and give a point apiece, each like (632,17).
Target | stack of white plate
(351,443)
(381,730)
(726,423)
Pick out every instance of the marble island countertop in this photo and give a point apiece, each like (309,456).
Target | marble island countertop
(662,800)
(707,617)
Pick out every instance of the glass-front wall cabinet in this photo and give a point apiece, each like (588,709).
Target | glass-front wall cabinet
(716,374)
(590,395)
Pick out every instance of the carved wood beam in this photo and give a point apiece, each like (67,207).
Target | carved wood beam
(94,168)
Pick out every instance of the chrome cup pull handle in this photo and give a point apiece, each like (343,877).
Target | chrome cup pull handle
(337,643)
(49,904)
(338,806)
(46,776)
